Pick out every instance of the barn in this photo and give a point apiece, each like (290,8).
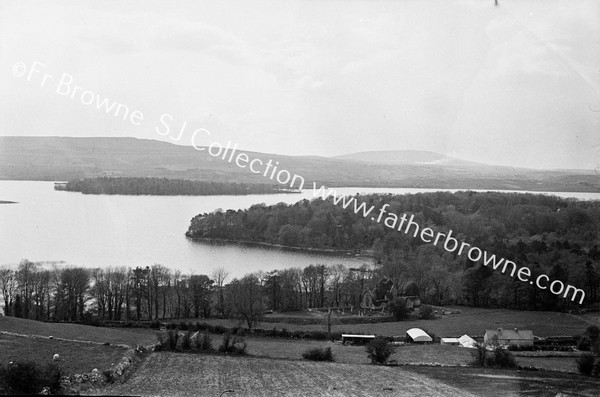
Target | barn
(417,335)
(508,337)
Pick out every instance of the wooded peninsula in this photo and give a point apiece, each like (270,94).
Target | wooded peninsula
(552,235)
(165,187)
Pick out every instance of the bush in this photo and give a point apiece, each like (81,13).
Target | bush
(202,342)
(500,357)
(584,343)
(219,329)
(229,344)
(479,355)
(318,354)
(585,364)
(503,358)
(596,369)
(379,350)
(205,342)
(426,312)
(162,342)
(593,332)
(398,309)
(185,341)
(172,337)
(30,378)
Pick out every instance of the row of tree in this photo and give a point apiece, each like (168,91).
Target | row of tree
(67,293)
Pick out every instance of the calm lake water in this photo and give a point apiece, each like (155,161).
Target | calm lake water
(96,230)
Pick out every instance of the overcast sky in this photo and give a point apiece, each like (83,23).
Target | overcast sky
(516,84)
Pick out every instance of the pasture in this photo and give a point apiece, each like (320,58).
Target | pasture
(78,332)
(75,357)
(471,321)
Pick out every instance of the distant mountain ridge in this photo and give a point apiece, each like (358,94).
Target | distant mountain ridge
(414,157)
(66,158)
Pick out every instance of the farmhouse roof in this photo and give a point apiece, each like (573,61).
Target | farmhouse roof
(418,335)
(512,334)
(467,341)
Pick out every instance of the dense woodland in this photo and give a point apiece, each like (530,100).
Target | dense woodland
(551,235)
(163,187)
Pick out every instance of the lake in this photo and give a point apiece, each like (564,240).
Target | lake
(102,230)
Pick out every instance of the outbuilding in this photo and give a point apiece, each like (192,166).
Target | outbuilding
(350,339)
(417,335)
(467,341)
(449,341)
(508,337)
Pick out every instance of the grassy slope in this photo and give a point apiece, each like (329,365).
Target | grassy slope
(75,357)
(80,353)
(78,332)
(192,375)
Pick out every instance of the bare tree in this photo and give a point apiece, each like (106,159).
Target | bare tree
(8,284)
(219,275)
(245,297)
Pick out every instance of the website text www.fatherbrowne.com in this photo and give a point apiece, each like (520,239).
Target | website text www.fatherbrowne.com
(269,169)
(450,244)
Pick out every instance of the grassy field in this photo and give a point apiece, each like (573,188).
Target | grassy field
(172,374)
(472,321)
(432,354)
(77,332)
(75,357)
(293,349)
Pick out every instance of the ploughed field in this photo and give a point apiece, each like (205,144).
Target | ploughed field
(174,374)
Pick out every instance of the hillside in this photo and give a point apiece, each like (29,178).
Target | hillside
(77,332)
(59,158)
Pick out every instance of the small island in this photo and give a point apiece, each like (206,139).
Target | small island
(7,202)
(165,187)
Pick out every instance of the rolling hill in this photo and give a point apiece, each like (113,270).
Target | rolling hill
(62,158)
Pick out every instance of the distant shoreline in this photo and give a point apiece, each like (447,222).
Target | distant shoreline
(144,186)
(363,254)
(8,202)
